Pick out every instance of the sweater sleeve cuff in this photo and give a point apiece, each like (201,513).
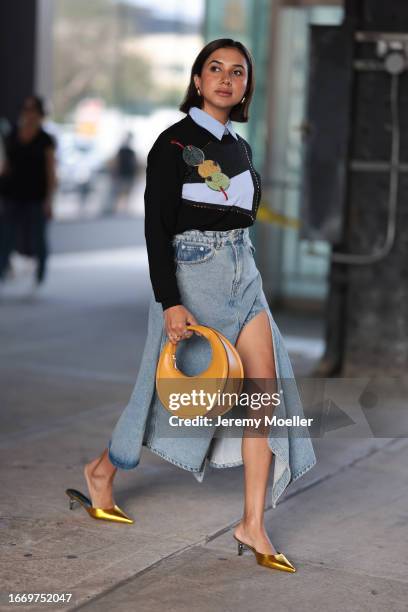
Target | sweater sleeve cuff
(175,301)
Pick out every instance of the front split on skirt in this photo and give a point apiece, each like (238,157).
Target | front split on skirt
(220,285)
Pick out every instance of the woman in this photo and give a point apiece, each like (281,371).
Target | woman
(29,180)
(202,194)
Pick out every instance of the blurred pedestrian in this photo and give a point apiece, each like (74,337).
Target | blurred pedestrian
(4,129)
(124,168)
(28,183)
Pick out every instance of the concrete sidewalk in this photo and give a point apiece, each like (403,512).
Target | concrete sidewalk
(346,534)
(68,366)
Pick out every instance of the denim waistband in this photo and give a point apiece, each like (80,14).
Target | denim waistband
(215,237)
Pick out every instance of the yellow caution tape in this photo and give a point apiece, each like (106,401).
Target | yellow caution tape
(271,216)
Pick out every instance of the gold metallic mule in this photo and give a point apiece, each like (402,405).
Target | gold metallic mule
(114,513)
(278,561)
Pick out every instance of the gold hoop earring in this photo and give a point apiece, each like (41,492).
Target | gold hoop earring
(198,91)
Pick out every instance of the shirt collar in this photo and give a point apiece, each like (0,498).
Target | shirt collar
(208,122)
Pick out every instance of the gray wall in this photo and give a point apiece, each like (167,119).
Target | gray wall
(17,54)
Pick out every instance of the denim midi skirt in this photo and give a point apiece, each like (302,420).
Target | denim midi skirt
(220,285)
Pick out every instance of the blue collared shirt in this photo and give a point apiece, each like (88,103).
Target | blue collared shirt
(208,122)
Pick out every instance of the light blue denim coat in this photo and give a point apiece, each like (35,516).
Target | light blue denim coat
(221,286)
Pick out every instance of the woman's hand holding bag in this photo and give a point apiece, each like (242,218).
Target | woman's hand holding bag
(176,319)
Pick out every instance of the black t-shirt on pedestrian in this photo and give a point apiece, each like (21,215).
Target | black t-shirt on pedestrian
(27,177)
(126,162)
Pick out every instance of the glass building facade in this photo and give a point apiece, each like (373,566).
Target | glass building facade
(293,269)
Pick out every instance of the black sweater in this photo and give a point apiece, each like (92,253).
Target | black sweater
(178,195)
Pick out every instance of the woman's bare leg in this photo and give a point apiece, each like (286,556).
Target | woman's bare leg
(255,346)
(99,474)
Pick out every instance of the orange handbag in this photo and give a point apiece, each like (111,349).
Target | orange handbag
(222,380)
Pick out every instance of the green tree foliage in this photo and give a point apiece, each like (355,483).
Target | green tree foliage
(91,58)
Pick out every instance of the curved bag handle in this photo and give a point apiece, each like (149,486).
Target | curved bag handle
(225,373)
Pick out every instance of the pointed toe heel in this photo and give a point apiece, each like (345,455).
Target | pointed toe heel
(278,561)
(114,513)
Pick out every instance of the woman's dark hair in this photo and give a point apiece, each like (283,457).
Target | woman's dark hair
(38,104)
(239,112)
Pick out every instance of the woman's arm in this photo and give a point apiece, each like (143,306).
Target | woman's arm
(4,162)
(50,165)
(162,197)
